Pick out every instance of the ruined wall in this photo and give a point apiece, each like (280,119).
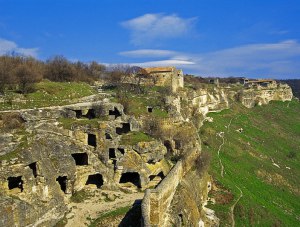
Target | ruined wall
(157,201)
(172,79)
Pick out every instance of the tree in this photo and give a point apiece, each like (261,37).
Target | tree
(96,70)
(139,74)
(26,78)
(118,74)
(59,69)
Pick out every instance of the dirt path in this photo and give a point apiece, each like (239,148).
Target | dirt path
(220,147)
(222,135)
(80,213)
(233,206)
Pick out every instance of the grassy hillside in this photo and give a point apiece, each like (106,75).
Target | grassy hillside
(261,160)
(47,94)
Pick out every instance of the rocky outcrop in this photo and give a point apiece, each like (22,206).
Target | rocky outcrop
(180,199)
(63,150)
(260,96)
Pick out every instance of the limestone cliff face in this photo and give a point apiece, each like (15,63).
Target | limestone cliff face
(193,105)
(63,150)
(187,205)
(181,197)
(261,96)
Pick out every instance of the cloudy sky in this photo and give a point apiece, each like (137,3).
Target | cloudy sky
(257,38)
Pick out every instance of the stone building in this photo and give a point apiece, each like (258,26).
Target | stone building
(166,76)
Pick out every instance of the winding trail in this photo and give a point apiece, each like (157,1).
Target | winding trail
(220,160)
(222,135)
(233,206)
(229,124)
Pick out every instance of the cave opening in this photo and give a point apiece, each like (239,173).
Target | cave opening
(81,159)
(150,109)
(95,179)
(62,180)
(125,129)
(177,144)
(151,177)
(112,153)
(168,145)
(92,141)
(115,164)
(90,114)
(151,161)
(132,177)
(78,113)
(180,217)
(32,166)
(15,182)
(114,112)
(160,175)
(121,150)
(108,136)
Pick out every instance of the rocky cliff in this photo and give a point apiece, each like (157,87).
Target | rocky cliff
(261,96)
(49,154)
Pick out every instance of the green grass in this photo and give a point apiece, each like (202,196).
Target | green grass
(80,196)
(47,94)
(133,138)
(68,123)
(271,132)
(160,113)
(136,104)
(110,214)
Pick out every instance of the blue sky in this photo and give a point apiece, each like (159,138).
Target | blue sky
(204,37)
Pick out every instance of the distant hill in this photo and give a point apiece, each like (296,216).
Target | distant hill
(295,85)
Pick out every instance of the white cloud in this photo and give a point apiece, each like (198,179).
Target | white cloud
(148,53)
(277,60)
(170,62)
(7,47)
(150,27)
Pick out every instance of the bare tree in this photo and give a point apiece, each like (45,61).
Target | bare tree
(96,70)
(59,69)
(118,74)
(26,78)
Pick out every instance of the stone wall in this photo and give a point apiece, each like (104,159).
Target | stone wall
(157,201)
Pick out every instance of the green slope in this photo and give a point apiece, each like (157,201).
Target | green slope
(47,94)
(270,136)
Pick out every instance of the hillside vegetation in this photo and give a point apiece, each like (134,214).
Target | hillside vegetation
(46,93)
(259,150)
